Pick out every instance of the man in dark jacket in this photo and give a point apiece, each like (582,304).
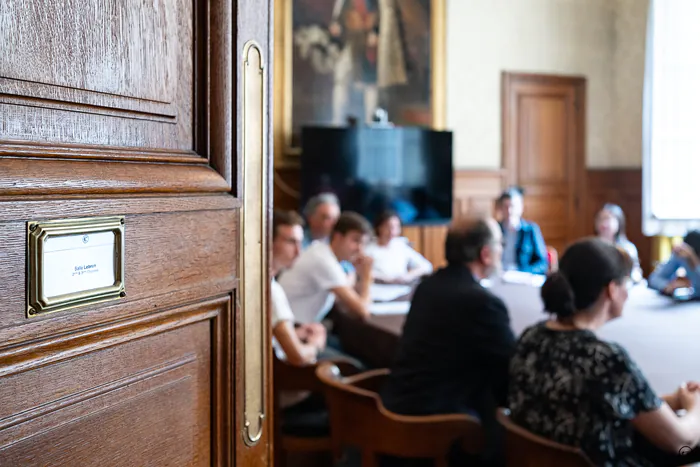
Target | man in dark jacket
(457,341)
(524,247)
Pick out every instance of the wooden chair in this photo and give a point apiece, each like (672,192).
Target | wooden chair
(525,449)
(358,418)
(288,377)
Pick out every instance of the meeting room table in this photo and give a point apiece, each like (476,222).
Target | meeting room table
(660,334)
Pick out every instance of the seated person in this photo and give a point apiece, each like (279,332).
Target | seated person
(322,212)
(524,247)
(395,262)
(569,386)
(457,341)
(301,345)
(610,226)
(665,277)
(317,278)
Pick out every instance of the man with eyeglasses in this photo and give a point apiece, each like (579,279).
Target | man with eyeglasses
(301,344)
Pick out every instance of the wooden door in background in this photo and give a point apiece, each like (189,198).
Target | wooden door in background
(544,150)
(138,109)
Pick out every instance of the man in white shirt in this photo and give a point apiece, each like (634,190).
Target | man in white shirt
(300,345)
(317,278)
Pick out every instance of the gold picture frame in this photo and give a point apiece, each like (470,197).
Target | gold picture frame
(285,153)
(39,302)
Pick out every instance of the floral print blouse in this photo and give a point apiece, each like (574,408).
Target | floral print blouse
(575,389)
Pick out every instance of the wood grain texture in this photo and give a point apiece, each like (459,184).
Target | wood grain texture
(125,81)
(164,253)
(23,209)
(142,397)
(544,132)
(622,187)
(476,190)
(60,177)
(126,109)
(76,151)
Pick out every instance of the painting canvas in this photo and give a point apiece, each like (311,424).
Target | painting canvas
(351,57)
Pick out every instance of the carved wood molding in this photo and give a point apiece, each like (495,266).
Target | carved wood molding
(63,347)
(61,177)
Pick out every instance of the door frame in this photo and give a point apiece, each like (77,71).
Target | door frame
(510,81)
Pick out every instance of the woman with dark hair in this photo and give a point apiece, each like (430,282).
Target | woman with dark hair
(395,262)
(610,225)
(569,386)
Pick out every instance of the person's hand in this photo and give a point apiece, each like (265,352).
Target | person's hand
(693,385)
(334,29)
(363,266)
(687,399)
(685,251)
(677,283)
(372,39)
(313,334)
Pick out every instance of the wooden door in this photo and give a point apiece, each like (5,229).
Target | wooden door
(154,112)
(544,150)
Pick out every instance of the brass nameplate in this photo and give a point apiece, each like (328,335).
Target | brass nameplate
(74,262)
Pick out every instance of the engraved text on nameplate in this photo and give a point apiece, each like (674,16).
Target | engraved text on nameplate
(77,263)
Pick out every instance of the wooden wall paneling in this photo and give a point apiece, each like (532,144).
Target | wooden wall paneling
(622,187)
(414,235)
(287,188)
(475,191)
(434,244)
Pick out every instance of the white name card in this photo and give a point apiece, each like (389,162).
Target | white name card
(73,263)
(77,263)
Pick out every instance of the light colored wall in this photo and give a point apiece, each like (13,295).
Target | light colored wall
(598,39)
(628,69)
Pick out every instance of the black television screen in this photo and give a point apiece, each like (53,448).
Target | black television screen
(372,169)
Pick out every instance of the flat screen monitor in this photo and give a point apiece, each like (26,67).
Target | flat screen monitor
(405,169)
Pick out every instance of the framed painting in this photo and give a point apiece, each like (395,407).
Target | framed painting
(339,61)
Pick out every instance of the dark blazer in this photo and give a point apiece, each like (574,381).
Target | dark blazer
(455,349)
(530,249)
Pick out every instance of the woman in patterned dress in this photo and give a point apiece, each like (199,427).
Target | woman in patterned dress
(569,386)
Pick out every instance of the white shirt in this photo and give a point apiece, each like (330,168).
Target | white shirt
(395,259)
(309,282)
(281,311)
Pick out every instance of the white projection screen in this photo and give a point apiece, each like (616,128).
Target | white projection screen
(671,136)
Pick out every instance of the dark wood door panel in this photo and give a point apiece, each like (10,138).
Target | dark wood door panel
(166,254)
(127,81)
(139,395)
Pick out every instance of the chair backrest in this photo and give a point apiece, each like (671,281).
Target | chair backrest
(358,418)
(288,377)
(525,449)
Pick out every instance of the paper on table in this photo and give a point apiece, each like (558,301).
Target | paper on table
(388,292)
(524,278)
(390,308)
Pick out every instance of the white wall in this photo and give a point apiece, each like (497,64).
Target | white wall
(628,68)
(598,39)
